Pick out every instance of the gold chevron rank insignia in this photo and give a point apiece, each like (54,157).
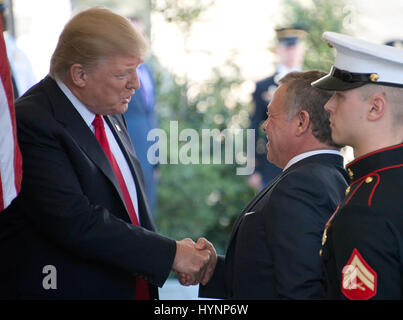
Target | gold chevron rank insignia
(358,278)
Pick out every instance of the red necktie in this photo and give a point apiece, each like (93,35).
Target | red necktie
(142,290)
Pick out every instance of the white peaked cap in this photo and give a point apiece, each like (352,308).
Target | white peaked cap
(359,62)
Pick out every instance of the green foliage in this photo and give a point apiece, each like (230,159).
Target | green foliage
(182,12)
(318,16)
(201,200)
(197,200)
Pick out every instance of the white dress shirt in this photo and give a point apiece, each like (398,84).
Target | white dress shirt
(309,154)
(88,116)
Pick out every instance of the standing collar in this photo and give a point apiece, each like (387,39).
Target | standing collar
(378,160)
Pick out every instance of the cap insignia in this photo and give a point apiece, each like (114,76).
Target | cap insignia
(373,77)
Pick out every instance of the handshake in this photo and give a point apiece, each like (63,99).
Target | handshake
(194,262)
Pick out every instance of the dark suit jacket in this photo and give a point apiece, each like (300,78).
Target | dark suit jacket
(273,251)
(70,213)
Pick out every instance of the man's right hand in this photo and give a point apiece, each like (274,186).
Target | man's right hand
(191,261)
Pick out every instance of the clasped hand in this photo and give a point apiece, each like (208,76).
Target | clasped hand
(194,262)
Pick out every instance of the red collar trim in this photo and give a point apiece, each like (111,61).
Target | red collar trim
(375,172)
(374,152)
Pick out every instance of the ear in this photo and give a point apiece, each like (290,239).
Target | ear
(303,121)
(78,75)
(377,107)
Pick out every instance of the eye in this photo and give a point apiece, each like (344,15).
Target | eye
(339,96)
(121,76)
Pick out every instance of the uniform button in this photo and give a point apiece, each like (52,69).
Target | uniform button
(320,252)
(350,173)
(369,180)
(348,190)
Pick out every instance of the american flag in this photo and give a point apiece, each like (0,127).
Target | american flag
(10,155)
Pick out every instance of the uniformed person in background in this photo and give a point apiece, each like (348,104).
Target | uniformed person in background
(362,244)
(22,74)
(290,51)
(397,43)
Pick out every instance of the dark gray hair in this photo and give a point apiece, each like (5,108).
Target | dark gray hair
(300,95)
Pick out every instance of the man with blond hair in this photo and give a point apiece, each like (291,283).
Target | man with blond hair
(362,243)
(81,227)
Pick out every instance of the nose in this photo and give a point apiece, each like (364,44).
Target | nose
(134,81)
(329,106)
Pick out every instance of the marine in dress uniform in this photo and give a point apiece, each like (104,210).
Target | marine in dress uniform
(397,43)
(362,245)
(22,74)
(290,58)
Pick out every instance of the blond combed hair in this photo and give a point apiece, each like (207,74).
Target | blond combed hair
(93,35)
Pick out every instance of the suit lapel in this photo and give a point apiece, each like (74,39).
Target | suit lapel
(327,158)
(119,131)
(262,193)
(67,115)
(251,204)
(229,256)
(330,159)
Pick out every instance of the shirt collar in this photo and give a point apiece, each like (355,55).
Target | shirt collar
(87,115)
(304,155)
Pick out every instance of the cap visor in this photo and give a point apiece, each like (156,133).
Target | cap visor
(334,84)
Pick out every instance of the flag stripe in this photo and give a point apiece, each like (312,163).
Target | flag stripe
(10,155)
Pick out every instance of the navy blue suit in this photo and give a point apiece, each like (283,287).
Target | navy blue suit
(70,213)
(273,251)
